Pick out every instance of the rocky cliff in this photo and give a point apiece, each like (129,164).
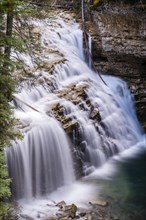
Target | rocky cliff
(118,31)
(119,47)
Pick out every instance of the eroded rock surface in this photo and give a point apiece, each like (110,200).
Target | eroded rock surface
(119,48)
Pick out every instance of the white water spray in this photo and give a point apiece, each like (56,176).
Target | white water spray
(42,162)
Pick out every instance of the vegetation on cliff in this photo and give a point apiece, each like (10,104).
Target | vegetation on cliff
(8,41)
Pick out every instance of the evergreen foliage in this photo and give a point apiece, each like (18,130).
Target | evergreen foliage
(8,9)
(9,39)
(98,2)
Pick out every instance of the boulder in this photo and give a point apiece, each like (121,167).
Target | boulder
(99,202)
(61,204)
(66,212)
(69,127)
(95,115)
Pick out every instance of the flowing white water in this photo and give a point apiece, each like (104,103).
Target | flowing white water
(42,161)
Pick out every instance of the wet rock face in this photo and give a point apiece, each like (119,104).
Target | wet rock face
(76,95)
(119,48)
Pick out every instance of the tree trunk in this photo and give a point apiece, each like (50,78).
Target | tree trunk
(9,27)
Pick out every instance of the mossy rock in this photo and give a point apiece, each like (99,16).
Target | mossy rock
(97,3)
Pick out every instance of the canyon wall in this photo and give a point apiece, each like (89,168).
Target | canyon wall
(119,47)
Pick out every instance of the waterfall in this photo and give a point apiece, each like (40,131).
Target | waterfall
(42,161)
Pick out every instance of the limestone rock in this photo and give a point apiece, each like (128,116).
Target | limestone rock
(69,127)
(50,65)
(95,115)
(66,212)
(72,211)
(61,204)
(119,47)
(99,202)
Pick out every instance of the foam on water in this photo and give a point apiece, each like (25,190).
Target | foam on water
(41,165)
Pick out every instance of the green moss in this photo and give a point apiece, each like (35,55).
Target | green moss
(97,3)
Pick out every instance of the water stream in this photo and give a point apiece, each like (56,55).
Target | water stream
(42,162)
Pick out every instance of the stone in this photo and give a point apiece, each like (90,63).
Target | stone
(61,204)
(99,202)
(36,30)
(64,218)
(72,211)
(50,65)
(69,210)
(82,214)
(66,212)
(66,120)
(38,215)
(95,114)
(61,215)
(69,127)
(26,217)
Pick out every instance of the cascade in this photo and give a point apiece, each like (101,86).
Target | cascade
(105,117)
(42,161)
